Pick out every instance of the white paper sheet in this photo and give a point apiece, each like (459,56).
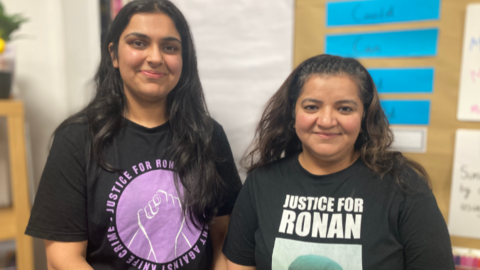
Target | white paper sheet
(245,52)
(464,214)
(469,96)
(410,140)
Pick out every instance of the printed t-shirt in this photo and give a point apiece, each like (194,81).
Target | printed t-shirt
(131,219)
(288,218)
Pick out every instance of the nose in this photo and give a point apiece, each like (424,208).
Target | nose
(154,56)
(326,118)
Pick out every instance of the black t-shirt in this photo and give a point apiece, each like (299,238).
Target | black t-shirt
(133,219)
(287,218)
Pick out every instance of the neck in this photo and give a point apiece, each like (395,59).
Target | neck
(318,166)
(147,114)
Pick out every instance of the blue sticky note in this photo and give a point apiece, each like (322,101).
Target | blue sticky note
(411,43)
(403,80)
(407,112)
(381,11)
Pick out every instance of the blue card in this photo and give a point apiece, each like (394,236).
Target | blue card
(403,80)
(410,43)
(407,112)
(381,11)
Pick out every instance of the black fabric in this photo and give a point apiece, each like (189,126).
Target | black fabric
(350,220)
(131,220)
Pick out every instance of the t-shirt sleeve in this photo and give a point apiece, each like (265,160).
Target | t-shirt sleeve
(239,246)
(59,211)
(424,234)
(227,169)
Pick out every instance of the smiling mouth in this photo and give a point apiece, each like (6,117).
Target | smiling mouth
(153,74)
(328,135)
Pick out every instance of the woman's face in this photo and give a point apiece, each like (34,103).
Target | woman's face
(149,57)
(328,117)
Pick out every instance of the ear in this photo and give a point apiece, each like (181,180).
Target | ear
(112,55)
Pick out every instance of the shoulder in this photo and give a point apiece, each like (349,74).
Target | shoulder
(273,172)
(76,133)
(411,182)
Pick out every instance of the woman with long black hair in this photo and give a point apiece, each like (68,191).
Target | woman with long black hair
(324,191)
(142,178)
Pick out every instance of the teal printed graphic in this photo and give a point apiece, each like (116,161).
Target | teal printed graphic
(403,80)
(381,11)
(407,112)
(410,43)
(314,262)
(299,255)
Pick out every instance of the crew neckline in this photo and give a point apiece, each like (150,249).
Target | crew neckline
(327,178)
(142,129)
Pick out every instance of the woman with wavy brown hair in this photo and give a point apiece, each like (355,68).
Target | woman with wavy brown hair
(324,191)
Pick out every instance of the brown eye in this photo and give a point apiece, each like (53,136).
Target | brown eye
(138,44)
(170,48)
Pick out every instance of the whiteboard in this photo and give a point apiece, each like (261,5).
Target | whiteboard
(464,219)
(469,96)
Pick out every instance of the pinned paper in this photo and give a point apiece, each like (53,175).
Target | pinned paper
(464,214)
(407,112)
(469,96)
(411,43)
(409,140)
(403,80)
(381,11)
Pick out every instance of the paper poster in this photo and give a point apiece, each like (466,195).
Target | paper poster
(407,112)
(409,140)
(469,96)
(410,43)
(464,214)
(381,11)
(403,80)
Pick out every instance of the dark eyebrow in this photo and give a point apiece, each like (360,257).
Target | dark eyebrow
(347,101)
(337,102)
(311,100)
(140,35)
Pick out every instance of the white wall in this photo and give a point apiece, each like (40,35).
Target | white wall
(56,56)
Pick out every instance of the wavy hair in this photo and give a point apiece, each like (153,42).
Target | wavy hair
(276,138)
(192,148)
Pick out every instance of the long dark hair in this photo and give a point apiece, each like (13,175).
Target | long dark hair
(192,149)
(275,136)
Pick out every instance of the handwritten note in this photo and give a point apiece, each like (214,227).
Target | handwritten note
(381,11)
(407,112)
(411,43)
(403,80)
(464,214)
(469,96)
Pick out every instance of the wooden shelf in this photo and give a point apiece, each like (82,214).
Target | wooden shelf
(14,220)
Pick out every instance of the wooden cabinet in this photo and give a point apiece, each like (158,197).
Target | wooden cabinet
(14,219)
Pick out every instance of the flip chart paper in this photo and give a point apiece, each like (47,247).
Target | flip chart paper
(410,43)
(469,96)
(409,140)
(403,80)
(381,11)
(464,214)
(407,112)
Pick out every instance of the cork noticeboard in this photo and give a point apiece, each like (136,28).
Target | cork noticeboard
(310,31)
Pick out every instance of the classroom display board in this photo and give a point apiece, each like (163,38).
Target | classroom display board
(422,70)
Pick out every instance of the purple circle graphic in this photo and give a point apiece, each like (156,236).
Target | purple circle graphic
(150,221)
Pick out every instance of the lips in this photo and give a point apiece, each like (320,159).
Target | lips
(325,135)
(153,74)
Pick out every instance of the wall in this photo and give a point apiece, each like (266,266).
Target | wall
(56,57)
(309,41)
